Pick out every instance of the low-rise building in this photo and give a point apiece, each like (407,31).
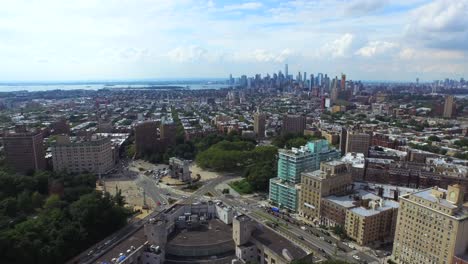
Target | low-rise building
(180,169)
(373,221)
(256,243)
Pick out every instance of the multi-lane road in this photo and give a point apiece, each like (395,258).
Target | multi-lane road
(313,239)
(310,239)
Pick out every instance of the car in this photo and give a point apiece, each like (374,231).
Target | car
(356,257)
(164,203)
(90,252)
(301,237)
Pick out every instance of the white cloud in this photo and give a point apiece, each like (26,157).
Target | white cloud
(263,56)
(187,54)
(340,47)
(243,6)
(374,48)
(407,53)
(431,54)
(364,7)
(441,24)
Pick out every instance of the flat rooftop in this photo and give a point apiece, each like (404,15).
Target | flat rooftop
(388,204)
(344,201)
(428,196)
(276,242)
(213,233)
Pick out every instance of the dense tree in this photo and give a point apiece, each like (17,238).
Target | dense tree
(462,142)
(434,138)
(36,227)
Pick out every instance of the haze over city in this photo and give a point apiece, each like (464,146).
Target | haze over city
(54,40)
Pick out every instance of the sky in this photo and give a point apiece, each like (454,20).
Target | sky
(399,40)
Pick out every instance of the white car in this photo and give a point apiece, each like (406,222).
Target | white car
(356,257)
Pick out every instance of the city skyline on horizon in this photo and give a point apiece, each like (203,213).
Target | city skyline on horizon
(368,40)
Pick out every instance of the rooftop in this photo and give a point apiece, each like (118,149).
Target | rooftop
(276,242)
(213,233)
(428,196)
(386,205)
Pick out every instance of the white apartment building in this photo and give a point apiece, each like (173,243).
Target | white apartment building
(79,155)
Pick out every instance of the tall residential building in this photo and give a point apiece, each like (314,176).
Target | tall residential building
(24,151)
(448,106)
(291,163)
(293,124)
(146,134)
(432,227)
(358,142)
(79,155)
(343,137)
(60,126)
(259,125)
(168,132)
(332,178)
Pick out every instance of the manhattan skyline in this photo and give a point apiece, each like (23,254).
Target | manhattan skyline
(99,40)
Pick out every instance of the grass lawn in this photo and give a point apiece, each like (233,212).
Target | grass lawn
(242,186)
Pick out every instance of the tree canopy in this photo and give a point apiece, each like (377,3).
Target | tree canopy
(49,218)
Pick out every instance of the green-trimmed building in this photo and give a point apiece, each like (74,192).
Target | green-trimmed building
(291,163)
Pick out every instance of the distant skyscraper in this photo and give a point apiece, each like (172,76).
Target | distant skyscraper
(334,89)
(343,81)
(448,106)
(286,70)
(319,79)
(299,77)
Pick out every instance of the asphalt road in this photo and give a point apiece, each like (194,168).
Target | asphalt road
(307,239)
(302,237)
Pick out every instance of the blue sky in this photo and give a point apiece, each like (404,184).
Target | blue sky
(118,39)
